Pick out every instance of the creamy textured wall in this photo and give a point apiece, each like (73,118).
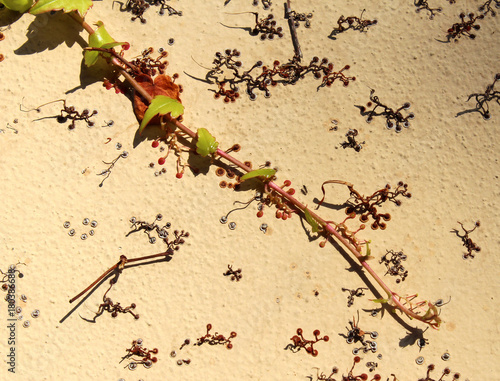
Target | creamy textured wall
(449,162)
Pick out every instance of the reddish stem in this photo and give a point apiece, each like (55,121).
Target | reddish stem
(75,16)
(120,265)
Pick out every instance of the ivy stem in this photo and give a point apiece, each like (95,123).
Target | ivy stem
(132,81)
(75,16)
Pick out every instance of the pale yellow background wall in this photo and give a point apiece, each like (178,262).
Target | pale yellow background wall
(449,162)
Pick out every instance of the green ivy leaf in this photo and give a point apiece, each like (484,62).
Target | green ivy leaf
(311,221)
(43,6)
(206,144)
(267,173)
(161,105)
(100,39)
(17,5)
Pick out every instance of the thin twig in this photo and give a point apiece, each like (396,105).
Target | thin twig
(293,31)
(120,266)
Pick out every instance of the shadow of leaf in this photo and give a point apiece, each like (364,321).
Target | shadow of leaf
(44,35)
(8,17)
(96,73)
